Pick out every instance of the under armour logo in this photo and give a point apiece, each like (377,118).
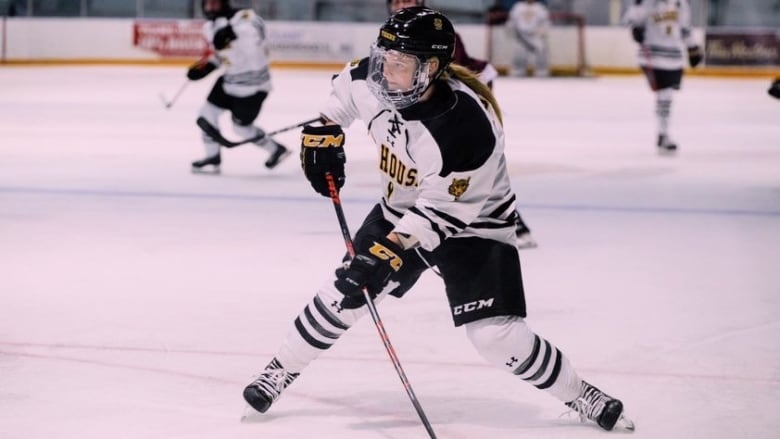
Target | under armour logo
(337,306)
(512,361)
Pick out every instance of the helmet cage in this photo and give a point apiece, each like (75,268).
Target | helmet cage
(416,31)
(380,60)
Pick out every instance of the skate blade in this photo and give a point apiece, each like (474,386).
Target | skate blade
(251,415)
(213,171)
(625,423)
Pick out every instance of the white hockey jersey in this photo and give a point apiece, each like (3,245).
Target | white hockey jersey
(442,165)
(667,26)
(246,59)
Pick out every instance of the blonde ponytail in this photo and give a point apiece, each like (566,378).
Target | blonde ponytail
(471,80)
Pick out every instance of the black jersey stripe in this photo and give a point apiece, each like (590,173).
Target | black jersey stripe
(499,211)
(434,226)
(486,225)
(449,218)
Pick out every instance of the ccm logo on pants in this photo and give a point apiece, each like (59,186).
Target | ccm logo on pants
(472,306)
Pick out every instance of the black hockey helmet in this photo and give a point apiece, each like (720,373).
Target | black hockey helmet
(225,9)
(421,32)
(422,37)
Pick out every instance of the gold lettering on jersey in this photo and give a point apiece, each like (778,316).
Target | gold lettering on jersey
(666,15)
(458,187)
(394,168)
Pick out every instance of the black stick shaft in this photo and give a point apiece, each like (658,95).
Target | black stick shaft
(334,196)
(214,133)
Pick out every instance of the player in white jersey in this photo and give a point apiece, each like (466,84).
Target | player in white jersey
(486,73)
(446,201)
(663,30)
(238,41)
(529,23)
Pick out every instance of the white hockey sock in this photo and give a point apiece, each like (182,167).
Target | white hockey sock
(663,109)
(247,131)
(211,113)
(508,343)
(319,326)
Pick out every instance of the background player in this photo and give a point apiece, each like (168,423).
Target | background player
(663,30)
(529,23)
(237,37)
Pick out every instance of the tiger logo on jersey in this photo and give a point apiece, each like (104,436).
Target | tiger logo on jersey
(458,187)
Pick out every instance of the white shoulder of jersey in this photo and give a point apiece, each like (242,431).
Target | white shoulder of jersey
(636,15)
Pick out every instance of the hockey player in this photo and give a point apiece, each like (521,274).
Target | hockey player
(486,73)
(663,30)
(529,22)
(237,37)
(446,201)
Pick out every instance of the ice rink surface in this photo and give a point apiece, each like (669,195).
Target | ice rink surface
(138,299)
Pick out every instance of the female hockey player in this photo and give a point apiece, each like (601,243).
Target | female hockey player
(237,38)
(446,201)
(662,28)
(486,73)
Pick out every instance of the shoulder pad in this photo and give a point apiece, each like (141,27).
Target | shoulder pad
(359,69)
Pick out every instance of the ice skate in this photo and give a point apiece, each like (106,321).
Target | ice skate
(597,406)
(665,145)
(267,388)
(209,165)
(277,156)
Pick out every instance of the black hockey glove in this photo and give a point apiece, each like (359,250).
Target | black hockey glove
(774,89)
(200,70)
(369,269)
(694,56)
(223,37)
(322,152)
(638,34)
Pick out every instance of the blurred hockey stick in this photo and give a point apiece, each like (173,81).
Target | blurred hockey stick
(214,133)
(168,104)
(334,196)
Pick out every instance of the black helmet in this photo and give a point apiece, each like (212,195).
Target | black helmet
(225,10)
(418,35)
(419,31)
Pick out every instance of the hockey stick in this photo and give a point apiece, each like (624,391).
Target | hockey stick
(168,104)
(334,196)
(214,133)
